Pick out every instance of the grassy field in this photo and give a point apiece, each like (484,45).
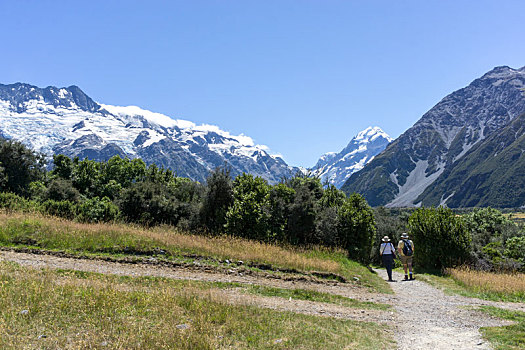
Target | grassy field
(48,233)
(66,309)
(482,285)
(508,337)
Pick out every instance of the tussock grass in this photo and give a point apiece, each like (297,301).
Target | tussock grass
(33,230)
(477,284)
(502,284)
(71,310)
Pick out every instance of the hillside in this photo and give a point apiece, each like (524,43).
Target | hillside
(440,141)
(491,174)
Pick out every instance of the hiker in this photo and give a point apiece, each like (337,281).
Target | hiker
(388,254)
(405,248)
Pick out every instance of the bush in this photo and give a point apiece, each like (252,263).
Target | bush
(356,228)
(515,249)
(149,203)
(97,210)
(217,200)
(63,209)
(248,217)
(62,190)
(441,238)
(19,167)
(12,202)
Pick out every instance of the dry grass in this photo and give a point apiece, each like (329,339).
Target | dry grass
(487,282)
(230,247)
(128,235)
(71,310)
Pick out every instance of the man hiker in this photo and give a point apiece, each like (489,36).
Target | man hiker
(388,253)
(405,248)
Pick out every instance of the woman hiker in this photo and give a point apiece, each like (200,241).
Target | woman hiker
(388,253)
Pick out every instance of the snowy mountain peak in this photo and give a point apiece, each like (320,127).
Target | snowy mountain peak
(336,168)
(371,133)
(20,97)
(66,120)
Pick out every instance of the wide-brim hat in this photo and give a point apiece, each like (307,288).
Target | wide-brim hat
(404,235)
(386,239)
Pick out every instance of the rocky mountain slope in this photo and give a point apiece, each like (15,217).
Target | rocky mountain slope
(413,170)
(66,120)
(336,168)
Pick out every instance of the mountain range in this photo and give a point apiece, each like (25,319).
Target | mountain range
(55,120)
(466,151)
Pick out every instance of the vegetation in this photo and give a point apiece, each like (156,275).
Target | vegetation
(497,241)
(60,309)
(298,211)
(441,239)
(54,234)
(498,285)
(508,337)
(494,289)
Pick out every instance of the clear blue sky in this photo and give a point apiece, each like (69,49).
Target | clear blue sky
(302,76)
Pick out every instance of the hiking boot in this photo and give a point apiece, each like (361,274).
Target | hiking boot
(412,278)
(406,278)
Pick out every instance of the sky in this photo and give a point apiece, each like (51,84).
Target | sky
(300,76)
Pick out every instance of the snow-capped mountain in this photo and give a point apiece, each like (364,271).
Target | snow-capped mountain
(437,161)
(336,168)
(65,120)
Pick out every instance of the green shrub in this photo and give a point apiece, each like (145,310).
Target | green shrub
(12,202)
(248,217)
(97,210)
(62,190)
(356,228)
(441,238)
(63,209)
(515,249)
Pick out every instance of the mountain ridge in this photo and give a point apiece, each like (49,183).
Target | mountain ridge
(68,121)
(441,137)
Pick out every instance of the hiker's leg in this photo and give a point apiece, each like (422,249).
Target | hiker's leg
(409,268)
(389,267)
(387,263)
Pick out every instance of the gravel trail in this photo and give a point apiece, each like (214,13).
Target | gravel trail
(429,319)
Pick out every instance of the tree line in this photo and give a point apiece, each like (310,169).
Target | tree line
(299,210)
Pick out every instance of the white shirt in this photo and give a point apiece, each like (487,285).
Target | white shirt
(387,248)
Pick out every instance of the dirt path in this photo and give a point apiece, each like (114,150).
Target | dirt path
(429,319)
(425,317)
(233,295)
